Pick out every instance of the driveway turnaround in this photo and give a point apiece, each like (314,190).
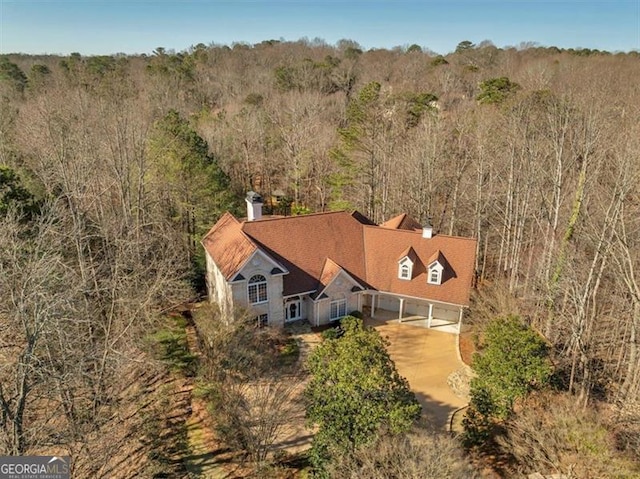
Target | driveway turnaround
(426,358)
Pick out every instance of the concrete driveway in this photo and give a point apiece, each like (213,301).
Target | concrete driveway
(426,358)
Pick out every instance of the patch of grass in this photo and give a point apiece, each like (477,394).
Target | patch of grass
(170,345)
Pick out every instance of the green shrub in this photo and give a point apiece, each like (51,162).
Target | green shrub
(512,363)
(328,334)
(290,352)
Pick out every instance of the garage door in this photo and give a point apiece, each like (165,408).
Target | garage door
(388,303)
(416,309)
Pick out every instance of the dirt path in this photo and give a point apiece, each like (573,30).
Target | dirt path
(206,459)
(426,358)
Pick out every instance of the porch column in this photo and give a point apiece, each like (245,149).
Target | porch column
(317,306)
(284,310)
(360,302)
(373,305)
(460,321)
(430,317)
(400,311)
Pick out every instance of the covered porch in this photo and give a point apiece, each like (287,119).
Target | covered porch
(413,311)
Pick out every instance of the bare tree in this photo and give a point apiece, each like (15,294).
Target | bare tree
(35,284)
(420,454)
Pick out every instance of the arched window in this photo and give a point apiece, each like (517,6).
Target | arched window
(257,289)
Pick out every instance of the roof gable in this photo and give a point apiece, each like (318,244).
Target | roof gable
(409,254)
(437,259)
(331,272)
(228,246)
(402,222)
(302,245)
(257,258)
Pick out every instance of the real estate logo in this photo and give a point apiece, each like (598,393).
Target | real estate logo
(34,467)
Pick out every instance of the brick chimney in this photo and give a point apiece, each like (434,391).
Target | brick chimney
(254,206)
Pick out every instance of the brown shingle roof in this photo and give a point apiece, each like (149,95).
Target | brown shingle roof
(314,247)
(385,246)
(402,222)
(227,245)
(303,243)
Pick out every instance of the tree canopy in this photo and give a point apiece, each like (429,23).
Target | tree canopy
(355,393)
(496,90)
(12,74)
(13,194)
(514,360)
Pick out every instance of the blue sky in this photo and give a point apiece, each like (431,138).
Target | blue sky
(139,26)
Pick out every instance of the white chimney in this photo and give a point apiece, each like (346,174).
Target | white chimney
(427,229)
(254,206)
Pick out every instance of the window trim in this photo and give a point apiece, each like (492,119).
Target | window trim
(404,271)
(405,263)
(257,285)
(339,304)
(435,273)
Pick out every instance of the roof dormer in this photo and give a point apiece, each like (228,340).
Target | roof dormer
(435,268)
(406,263)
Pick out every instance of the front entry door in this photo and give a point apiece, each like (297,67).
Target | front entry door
(292,309)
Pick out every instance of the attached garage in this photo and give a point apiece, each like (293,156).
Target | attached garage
(434,312)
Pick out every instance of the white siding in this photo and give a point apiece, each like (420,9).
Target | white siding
(340,288)
(220,292)
(274,305)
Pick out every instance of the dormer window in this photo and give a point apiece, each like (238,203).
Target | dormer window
(435,273)
(405,269)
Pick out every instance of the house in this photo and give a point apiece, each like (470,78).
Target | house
(322,266)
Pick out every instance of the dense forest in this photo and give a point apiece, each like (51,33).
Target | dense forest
(113,167)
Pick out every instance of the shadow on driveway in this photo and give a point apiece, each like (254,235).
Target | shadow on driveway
(425,358)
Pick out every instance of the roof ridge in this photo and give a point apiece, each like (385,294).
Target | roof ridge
(365,252)
(318,213)
(437,235)
(226,216)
